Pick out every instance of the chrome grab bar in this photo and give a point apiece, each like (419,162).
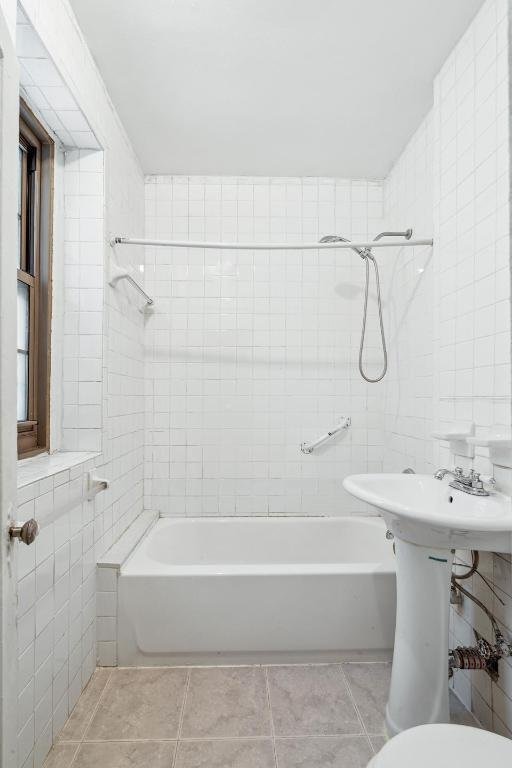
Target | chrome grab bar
(343,423)
(119,273)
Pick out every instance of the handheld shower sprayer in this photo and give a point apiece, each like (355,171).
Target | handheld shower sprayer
(363,252)
(367,255)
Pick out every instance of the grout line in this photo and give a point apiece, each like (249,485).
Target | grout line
(182,714)
(75,753)
(353,699)
(94,710)
(193,739)
(250,665)
(96,706)
(272,726)
(62,744)
(176,740)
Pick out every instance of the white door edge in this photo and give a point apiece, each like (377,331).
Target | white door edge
(9,117)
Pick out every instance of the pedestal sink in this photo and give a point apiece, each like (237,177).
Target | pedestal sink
(429,520)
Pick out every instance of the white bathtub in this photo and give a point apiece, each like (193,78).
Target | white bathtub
(256,589)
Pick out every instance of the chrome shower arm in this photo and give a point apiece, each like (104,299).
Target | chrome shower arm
(407,234)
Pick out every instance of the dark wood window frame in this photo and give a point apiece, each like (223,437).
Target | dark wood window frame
(34,271)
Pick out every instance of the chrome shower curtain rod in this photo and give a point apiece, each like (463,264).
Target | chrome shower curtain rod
(269,246)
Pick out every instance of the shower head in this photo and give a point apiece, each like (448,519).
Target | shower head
(363,252)
(333,239)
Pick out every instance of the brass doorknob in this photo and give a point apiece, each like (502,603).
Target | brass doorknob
(26,532)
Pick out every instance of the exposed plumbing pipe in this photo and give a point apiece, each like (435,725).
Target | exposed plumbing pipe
(475,561)
(483,607)
(484,655)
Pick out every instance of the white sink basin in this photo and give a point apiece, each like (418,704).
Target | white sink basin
(426,511)
(428,520)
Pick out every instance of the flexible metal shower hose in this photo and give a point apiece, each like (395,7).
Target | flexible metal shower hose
(368,256)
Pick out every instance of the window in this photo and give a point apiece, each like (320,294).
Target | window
(35,183)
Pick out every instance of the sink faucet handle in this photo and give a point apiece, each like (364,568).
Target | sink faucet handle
(459,471)
(488,480)
(474,480)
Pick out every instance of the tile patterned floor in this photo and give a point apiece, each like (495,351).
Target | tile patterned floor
(297,716)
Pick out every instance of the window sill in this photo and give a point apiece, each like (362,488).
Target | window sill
(45,465)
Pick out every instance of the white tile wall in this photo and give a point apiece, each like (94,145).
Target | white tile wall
(409,316)
(449,314)
(43,85)
(471,204)
(107,581)
(106,616)
(56,606)
(102,193)
(472,294)
(250,353)
(97,193)
(82,376)
(57,632)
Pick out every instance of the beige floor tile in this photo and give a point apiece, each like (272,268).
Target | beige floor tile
(61,756)
(311,701)
(80,717)
(126,754)
(223,753)
(326,752)
(140,704)
(226,702)
(369,684)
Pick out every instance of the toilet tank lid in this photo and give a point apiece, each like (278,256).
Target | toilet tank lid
(427,746)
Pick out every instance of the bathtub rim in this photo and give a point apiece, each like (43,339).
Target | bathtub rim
(139,564)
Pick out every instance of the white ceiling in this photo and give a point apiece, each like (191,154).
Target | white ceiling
(271,87)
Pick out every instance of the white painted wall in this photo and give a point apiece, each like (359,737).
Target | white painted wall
(449,315)
(8,8)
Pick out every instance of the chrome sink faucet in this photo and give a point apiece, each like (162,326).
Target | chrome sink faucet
(470,483)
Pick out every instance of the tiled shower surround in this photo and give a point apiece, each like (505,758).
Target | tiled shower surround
(250,353)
